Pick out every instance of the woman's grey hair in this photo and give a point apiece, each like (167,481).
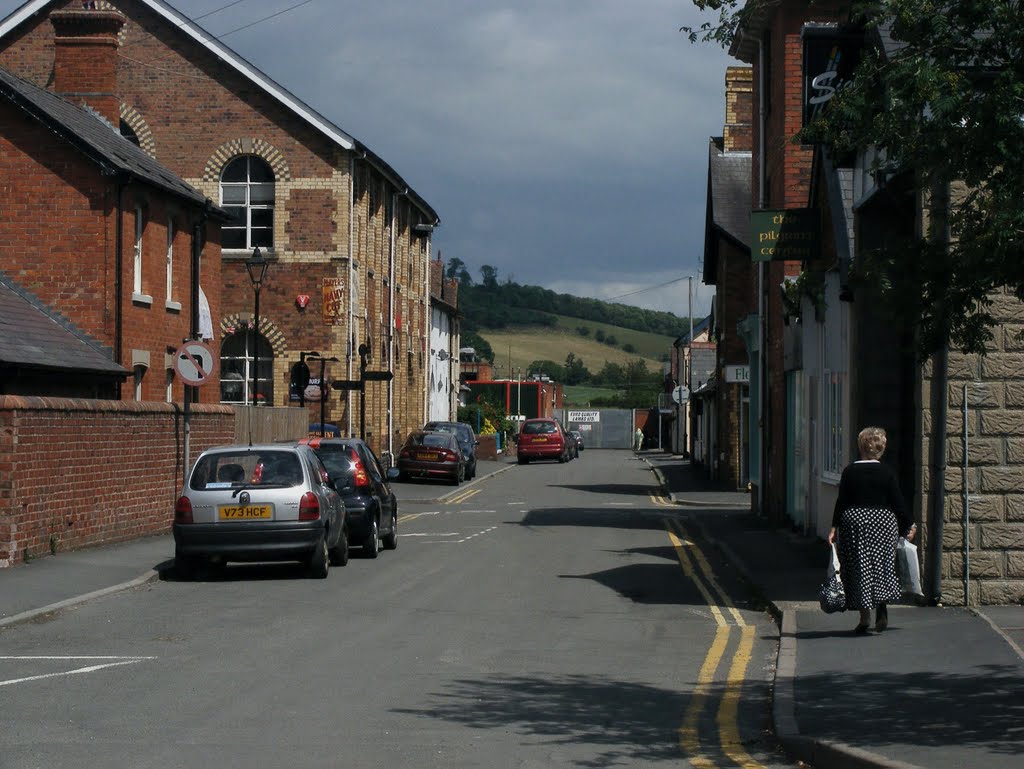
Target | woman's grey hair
(871,442)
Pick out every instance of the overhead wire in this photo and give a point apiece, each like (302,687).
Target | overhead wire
(648,288)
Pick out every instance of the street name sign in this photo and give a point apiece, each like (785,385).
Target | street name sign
(378,376)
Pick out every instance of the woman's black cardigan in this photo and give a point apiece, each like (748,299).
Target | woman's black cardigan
(871,484)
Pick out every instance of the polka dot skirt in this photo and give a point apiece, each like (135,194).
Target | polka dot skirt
(867,557)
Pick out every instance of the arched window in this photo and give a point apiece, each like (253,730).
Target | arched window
(236,369)
(247,193)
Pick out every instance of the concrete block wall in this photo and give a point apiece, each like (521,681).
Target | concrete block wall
(60,492)
(994,471)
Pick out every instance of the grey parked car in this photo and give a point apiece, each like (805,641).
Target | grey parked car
(259,503)
(467,441)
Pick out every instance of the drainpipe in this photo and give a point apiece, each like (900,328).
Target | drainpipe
(938,451)
(349,352)
(428,314)
(122,182)
(761,322)
(391,328)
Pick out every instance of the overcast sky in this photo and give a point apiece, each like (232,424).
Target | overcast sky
(563,142)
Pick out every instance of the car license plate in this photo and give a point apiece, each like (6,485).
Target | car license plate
(245,512)
(426,456)
(540,440)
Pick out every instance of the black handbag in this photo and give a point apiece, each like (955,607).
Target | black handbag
(832,594)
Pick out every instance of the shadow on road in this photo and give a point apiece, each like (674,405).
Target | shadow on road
(605,517)
(628,723)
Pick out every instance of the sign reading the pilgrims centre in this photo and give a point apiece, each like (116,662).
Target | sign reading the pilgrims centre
(334,298)
(778,236)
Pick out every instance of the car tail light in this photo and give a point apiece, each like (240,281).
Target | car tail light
(362,477)
(309,507)
(405,453)
(447,455)
(183,510)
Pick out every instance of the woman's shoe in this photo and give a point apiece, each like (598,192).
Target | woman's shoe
(881,618)
(861,629)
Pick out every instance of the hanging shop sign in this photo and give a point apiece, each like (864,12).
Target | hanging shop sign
(831,54)
(792,235)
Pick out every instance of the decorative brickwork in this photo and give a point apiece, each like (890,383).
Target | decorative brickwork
(236,147)
(137,123)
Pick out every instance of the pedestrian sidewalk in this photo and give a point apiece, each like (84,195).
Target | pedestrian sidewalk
(940,689)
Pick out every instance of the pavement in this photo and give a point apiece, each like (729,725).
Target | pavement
(942,688)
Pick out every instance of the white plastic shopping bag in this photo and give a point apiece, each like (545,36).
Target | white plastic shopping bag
(908,567)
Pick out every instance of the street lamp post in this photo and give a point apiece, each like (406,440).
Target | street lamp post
(257,269)
(519,392)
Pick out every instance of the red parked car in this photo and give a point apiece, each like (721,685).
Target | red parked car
(543,438)
(432,455)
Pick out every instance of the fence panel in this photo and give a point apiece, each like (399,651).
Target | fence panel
(267,424)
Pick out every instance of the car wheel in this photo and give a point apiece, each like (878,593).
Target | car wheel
(457,478)
(391,538)
(561,459)
(524,461)
(319,562)
(471,472)
(371,545)
(339,553)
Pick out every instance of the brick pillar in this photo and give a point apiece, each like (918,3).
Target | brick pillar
(85,59)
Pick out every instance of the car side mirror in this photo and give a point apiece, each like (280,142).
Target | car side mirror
(393,473)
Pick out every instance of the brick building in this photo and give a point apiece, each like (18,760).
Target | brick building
(770,40)
(347,238)
(727,266)
(100,239)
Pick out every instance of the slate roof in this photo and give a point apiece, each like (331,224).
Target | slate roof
(94,137)
(729,194)
(698,329)
(34,336)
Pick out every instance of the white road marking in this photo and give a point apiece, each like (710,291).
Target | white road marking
(432,534)
(117,662)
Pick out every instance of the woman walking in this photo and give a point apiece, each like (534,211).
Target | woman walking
(868,518)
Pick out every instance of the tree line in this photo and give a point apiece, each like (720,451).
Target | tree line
(495,304)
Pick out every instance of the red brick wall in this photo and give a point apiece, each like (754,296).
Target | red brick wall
(60,492)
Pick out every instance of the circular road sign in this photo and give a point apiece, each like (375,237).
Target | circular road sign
(681,394)
(194,363)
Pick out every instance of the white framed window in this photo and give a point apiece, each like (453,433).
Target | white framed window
(170,302)
(238,364)
(170,385)
(138,374)
(833,440)
(247,193)
(140,227)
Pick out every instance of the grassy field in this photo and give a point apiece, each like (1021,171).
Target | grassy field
(523,346)
(581,395)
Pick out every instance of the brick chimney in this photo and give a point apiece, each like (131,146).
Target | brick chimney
(85,59)
(739,109)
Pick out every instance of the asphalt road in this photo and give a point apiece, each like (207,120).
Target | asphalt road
(551,616)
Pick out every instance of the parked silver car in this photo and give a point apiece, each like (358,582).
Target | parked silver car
(259,503)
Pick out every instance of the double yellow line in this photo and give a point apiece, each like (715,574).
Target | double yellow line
(461,497)
(698,570)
